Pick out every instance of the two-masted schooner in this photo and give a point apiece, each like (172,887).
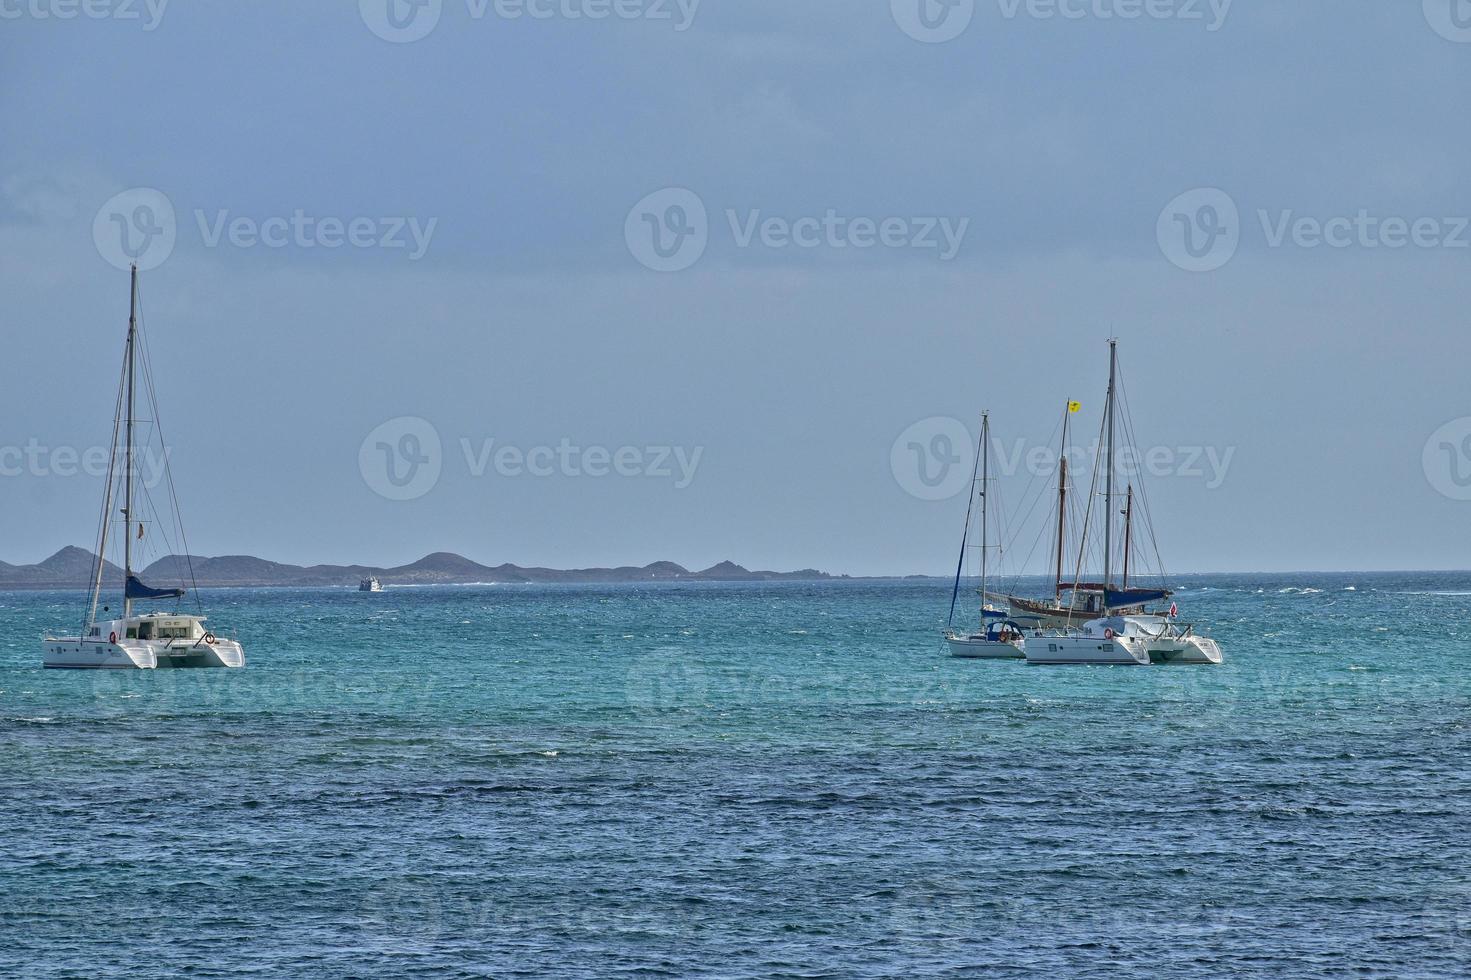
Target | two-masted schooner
(1117,630)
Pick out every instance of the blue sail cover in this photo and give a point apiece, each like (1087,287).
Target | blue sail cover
(1113,598)
(135,589)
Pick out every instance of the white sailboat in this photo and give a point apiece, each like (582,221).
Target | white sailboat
(1114,638)
(998,638)
(152,639)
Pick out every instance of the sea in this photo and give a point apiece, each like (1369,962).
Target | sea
(784,780)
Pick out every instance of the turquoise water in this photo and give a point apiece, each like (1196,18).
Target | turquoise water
(740,780)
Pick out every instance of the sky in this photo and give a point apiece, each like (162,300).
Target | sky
(598,282)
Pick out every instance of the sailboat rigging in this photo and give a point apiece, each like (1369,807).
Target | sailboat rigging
(152,639)
(997,638)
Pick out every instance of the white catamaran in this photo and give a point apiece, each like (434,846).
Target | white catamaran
(998,638)
(1114,636)
(148,640)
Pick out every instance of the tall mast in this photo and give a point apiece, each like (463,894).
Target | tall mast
(965,536)
(1128,533)
(985,486)
(1113,358)
(128,451)
(1061,499)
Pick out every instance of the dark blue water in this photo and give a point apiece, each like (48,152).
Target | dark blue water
(786,780)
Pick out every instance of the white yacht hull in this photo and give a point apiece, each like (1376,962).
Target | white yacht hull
(1186,650)
(1118,651)
(70,653)
(980,648)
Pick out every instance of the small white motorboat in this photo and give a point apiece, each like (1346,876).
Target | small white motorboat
(370,584)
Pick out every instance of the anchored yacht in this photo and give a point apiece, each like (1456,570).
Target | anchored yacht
(1115,628)
(997,638)
(152,639)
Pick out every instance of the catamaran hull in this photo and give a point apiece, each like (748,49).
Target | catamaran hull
(1084,650)
(980,648)
(74,654)
(1186,650)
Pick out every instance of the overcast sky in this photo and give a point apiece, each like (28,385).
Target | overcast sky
(721,280)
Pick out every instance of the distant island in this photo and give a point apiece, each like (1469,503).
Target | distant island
(73,568)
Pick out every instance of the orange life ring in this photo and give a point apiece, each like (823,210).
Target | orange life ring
(112,637)
(209,638)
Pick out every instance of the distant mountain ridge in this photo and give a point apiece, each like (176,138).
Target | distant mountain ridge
(73,567)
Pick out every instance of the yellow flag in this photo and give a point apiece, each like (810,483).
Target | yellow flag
(1074,407)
